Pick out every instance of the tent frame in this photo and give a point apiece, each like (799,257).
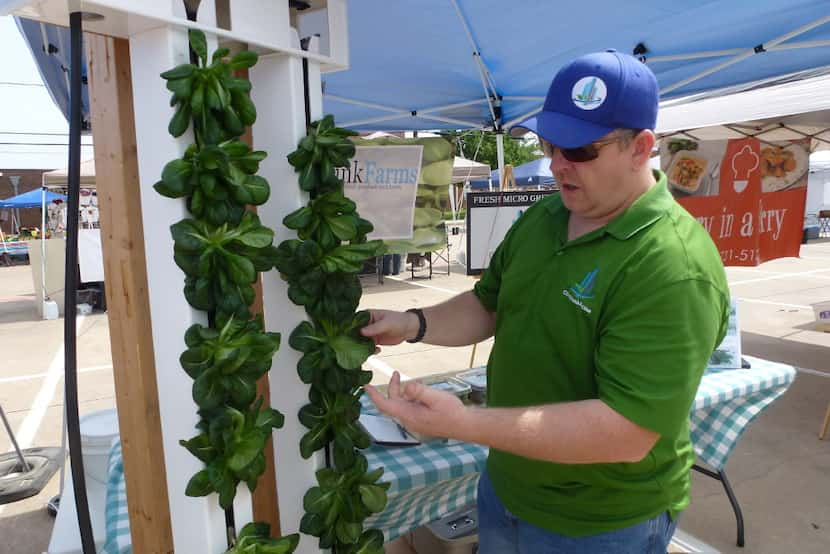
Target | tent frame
(492,97)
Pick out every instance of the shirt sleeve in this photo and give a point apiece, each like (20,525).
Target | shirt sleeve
(487,288)
(652,352)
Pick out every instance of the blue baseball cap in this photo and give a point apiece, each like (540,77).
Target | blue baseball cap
(592,96)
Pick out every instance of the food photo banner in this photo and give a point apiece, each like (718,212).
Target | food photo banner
(424,220)
(383,181)
(747,193)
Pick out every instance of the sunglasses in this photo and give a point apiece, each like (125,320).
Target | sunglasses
(579,154)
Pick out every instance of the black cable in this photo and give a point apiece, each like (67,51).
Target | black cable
(306,96)
(71,287)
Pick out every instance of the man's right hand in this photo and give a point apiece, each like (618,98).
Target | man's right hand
(388,327)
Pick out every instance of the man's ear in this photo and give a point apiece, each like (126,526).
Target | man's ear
(642,146)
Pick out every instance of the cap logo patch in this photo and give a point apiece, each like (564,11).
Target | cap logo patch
(589,93)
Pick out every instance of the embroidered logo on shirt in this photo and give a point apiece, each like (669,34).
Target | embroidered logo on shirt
(582,291)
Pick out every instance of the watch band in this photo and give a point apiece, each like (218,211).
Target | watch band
(422,325)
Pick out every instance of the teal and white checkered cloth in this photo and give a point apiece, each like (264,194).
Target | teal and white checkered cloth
(117,516)
(428,481)
(434,479)
(729,400)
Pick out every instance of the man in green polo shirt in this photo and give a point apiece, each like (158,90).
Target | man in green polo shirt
(606,302)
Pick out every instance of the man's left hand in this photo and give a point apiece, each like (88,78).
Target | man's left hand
(420,408)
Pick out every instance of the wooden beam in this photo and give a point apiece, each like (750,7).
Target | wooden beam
(264,498)
(128,309)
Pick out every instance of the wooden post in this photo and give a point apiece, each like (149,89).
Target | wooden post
(264,498)
(128,310)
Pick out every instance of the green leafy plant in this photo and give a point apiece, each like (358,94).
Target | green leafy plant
(336,508)
(320,267)
(255,538)
(209,96)
(226,364)
(230,444)
(219,180)
(221,263)
(220,250)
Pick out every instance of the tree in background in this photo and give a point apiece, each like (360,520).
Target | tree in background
(481,147)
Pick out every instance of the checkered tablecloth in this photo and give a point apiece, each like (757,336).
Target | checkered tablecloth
(729,400)
(434,479)
(117,517)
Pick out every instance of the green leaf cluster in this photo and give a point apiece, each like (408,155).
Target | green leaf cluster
(208,95)
(255,538)
(226,364)
(324,148)
(221,249)
(221,263)
(219,180)
(320,267)
(230,443)
(336,508)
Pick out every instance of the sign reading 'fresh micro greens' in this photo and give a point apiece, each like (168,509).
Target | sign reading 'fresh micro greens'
(321,268)
(220,250)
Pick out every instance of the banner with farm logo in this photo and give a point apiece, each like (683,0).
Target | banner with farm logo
(383,181)
(748,194)
(425,231)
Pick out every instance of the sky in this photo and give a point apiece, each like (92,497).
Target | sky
(28,117)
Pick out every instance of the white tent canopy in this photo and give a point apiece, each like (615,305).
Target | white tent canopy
(789,110)
(464,170)
(60,177)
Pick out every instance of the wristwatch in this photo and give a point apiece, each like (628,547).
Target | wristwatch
(422,325)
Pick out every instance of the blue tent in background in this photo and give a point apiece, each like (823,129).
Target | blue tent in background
(31,199)
(454,64)
(530,174)
(461,64)
(50,49)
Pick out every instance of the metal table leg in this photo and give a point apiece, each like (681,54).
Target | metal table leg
(721,476)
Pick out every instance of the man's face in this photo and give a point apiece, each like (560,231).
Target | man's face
(596,188)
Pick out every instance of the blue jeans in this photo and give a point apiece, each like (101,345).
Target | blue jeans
(500,532)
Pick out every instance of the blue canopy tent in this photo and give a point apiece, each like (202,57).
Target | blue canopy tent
(461,64)
(451,64)
(50,48)
(530,174)
(32,199)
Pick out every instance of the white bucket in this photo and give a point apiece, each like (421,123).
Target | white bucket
(822,311)
(98,429)
(50,309)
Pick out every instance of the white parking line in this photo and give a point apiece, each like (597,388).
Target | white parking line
(408,282)
(31,423)
(41,375)
(782,276)
(383,367)
(770,303)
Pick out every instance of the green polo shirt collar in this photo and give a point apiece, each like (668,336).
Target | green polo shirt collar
(647,209)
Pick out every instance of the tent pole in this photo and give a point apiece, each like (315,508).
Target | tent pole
(748,53)
(500,157)
(522,117)
(43,246)
(487,83)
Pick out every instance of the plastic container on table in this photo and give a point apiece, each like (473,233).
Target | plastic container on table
(822,311)
(477,379)
(446,383)
(453,534)
(450,384)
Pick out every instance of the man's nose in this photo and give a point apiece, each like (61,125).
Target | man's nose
(558,161)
